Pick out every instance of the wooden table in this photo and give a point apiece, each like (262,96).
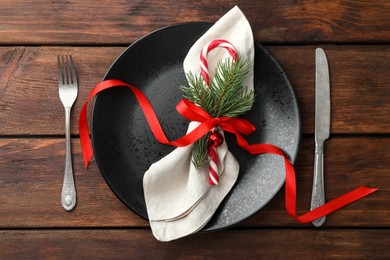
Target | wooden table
(356,37)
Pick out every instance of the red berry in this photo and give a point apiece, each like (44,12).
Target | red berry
(215,138)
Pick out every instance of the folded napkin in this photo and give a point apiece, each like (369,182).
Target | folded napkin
(178,196)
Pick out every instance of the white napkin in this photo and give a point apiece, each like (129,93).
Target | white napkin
(179,198)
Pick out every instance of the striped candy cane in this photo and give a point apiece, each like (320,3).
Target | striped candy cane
(208,48)
(213,165)
(212,148)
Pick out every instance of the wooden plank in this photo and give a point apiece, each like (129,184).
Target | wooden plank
(29,102)
(232,244)
(124,21)
(32,174)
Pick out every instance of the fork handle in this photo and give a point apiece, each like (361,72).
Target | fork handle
(68,195)
(318,193)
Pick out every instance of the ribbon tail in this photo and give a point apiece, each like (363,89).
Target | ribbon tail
(187,109)
(335,204)
(85,141)
(290,185)
(329,207)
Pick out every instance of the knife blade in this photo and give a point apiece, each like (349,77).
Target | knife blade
(322,130)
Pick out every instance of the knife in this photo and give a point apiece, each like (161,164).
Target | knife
(322,130)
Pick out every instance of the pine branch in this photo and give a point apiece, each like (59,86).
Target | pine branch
(232,98)
(199,152)
(225,97)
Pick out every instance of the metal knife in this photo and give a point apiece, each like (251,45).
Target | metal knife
(322,130)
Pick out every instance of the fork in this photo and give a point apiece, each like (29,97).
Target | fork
(68,88)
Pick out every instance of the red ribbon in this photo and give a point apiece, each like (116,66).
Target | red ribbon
(235,126)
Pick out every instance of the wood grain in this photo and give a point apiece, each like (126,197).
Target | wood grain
(32,175)
(123,21)
(33,225)
(232,244)
(30,105)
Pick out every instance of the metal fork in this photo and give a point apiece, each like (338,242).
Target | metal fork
(68,88)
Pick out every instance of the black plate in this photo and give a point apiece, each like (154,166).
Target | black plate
(124,146)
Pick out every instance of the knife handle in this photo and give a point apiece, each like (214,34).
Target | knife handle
(318,193)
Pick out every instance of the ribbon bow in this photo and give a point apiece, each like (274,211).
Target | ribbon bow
(235,126)
(193,112)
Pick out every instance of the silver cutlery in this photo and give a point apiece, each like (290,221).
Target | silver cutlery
(68,88)
(322,130)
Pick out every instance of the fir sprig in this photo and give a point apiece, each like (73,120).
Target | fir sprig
(199,152)
(224,97)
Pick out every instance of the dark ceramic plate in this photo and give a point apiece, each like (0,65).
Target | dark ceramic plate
(124,146)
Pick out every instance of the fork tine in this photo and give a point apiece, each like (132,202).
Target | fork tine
(64,69)
(60,78)
(72,70)
(67,71)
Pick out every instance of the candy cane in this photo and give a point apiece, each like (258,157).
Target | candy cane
(213,165)
(208,48)
(212,149)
